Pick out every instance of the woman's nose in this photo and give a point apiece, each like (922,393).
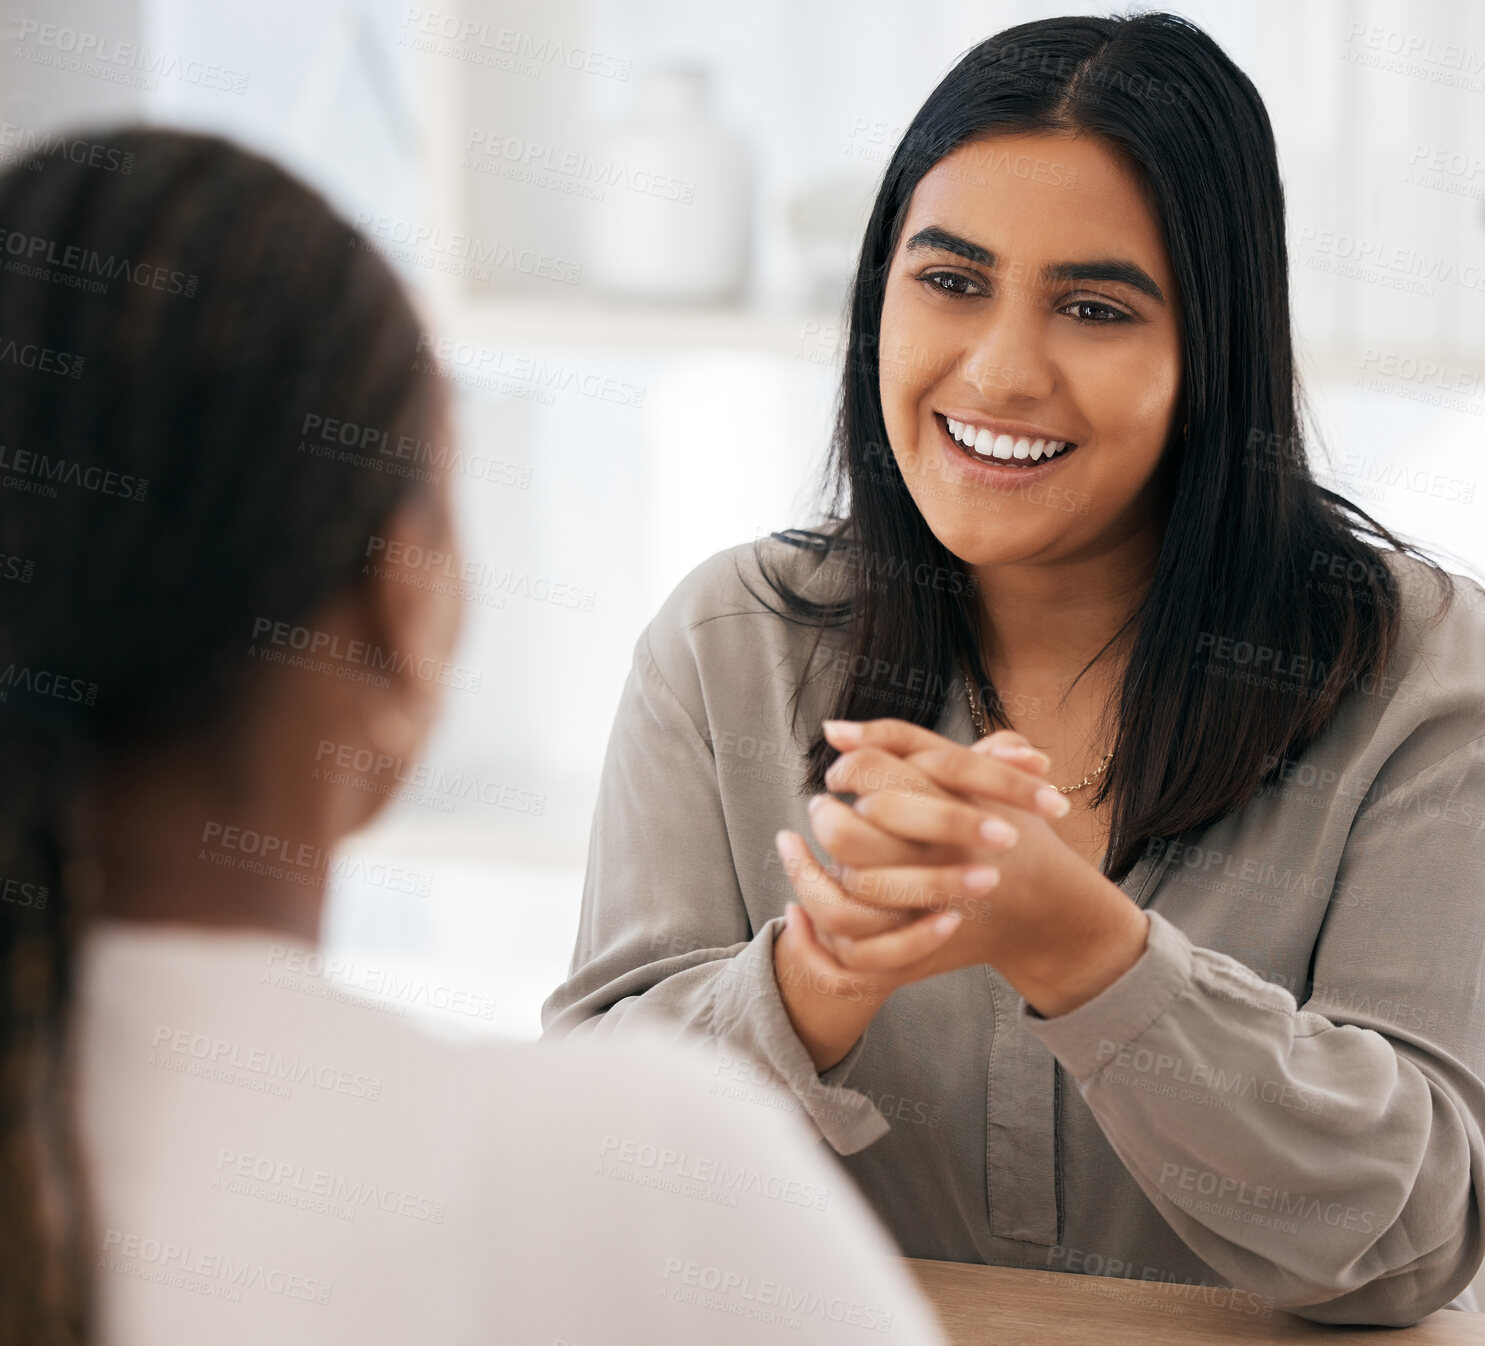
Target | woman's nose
(1010,356)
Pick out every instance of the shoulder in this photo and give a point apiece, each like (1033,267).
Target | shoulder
(1442,629)
(1431,700)
(1431,626)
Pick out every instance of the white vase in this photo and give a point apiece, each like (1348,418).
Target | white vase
(674,221)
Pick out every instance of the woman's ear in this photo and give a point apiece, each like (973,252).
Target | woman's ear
(409,594)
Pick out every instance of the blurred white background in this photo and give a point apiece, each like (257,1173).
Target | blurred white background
(489,146)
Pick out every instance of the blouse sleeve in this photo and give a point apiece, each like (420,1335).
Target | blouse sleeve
(1330,1155)
(664,935)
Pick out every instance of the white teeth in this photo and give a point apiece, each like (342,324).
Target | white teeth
(1004,447)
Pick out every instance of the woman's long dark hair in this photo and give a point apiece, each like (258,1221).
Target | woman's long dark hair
(1247,519)
(166,335)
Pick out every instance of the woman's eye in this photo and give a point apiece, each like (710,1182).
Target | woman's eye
(1111,315)
(952,283)
(948,282)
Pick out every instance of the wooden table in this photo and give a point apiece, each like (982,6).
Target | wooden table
(1004,1306)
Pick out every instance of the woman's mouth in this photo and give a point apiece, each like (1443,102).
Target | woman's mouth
(1015,453)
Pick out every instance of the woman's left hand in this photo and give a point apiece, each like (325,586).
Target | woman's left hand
(1042,914)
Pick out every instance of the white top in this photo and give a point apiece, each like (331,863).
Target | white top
(274,1163)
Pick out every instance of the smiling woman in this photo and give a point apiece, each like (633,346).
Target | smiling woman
(1090,349)
(1046,358)
(1132,997)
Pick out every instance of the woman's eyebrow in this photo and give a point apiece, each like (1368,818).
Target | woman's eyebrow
(1114,269)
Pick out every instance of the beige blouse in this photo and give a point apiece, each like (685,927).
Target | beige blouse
(1284,1094)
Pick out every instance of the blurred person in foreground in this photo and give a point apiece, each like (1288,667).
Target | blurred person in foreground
(194,1147)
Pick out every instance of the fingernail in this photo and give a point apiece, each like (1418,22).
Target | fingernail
(1052,802)
(998,832)
(778,838)
(845,731)
(943,924)
(981,879)
(815,802)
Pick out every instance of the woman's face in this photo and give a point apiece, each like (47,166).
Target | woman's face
(1031,297)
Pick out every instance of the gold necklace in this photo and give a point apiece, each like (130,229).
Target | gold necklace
(981,729)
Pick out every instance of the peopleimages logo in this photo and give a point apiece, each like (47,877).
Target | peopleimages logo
(222,1055)
(86,263)
(354,656)
(420,776)
(741,1294)
(191,1268)
(28,142)
(449,32)
(41,474)
(302,862)
(405,455)
(46,683)
(235,1171)
(662,1160)
(386,985)
(43,359)
(23,894)
(1222,1187)
(127,63)
(572,171)
(1203,1075)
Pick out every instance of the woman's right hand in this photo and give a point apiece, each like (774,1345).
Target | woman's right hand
(831,1005)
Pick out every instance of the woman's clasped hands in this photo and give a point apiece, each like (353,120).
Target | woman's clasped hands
(944,860)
